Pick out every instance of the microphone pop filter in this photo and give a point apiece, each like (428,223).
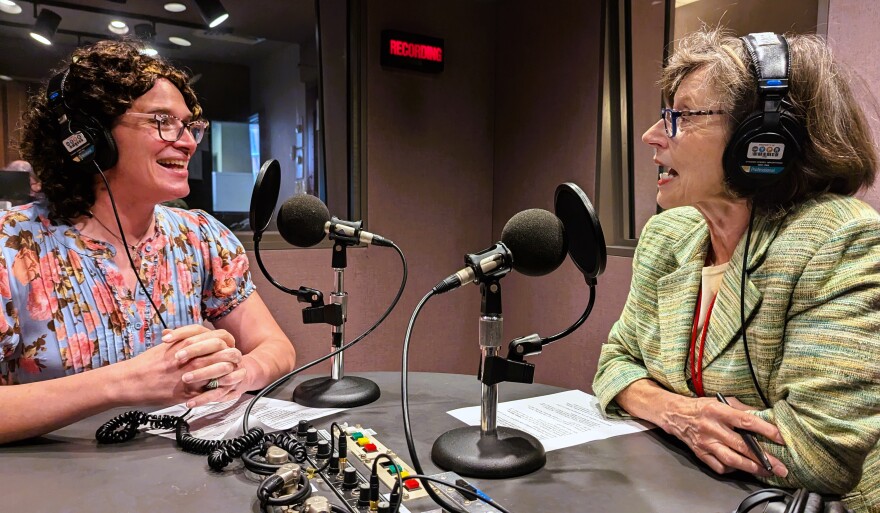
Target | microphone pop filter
(301,220)
(586,243)
(536,239)
(265,195)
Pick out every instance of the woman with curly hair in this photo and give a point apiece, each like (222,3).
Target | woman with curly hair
(114,133)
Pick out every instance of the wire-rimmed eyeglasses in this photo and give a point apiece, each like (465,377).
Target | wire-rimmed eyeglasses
(171,127)
(670,118)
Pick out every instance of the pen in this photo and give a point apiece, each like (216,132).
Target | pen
(749,440)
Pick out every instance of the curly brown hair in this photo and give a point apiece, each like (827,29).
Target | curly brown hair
(105,78)
(839,154)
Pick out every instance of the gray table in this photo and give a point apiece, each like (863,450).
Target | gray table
(66,471)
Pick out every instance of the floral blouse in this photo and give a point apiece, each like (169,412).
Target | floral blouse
(64,307)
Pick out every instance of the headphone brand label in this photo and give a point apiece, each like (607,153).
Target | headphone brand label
(766,151)
(74,142)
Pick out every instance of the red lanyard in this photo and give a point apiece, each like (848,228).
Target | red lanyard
(697,360)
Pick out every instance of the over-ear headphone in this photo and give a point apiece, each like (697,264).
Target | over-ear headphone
(83,137)
(768,141)
(774,500)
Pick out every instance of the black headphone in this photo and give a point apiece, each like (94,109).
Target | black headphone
(82,136)
(768,141)
(774,500)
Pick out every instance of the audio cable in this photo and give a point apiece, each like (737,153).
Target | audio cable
(126,246)
(404,395)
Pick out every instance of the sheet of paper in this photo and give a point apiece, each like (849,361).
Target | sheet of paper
(223,420)
(557,420)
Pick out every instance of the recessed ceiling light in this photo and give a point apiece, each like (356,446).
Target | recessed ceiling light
(179,41)
(118,27)
(6,78)
(175,7)
(9,7)
(152,52)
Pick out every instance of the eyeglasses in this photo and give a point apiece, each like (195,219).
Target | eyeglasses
(670,118)
(171,127)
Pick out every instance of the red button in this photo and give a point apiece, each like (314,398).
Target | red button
(370,448)
(411,484)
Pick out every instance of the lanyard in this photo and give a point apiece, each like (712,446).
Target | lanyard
(696,358)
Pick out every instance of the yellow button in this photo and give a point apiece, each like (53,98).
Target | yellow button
(363,441)
(404,474)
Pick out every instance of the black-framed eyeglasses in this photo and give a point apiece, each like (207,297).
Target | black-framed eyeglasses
(670,118)
(171,127)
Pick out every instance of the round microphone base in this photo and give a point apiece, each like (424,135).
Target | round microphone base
(468,452)
(346,392)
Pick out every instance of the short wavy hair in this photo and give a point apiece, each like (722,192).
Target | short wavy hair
(839,154)
(105,78)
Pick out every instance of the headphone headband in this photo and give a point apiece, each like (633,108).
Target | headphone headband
(769,53)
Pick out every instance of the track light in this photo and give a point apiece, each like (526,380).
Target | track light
(212,11)
(46,25)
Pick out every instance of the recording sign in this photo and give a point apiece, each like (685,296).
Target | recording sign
(412,51)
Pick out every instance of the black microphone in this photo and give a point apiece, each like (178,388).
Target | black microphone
(533,243)
(304,220)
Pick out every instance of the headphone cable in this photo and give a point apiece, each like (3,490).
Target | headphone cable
(126,246)
(742,311)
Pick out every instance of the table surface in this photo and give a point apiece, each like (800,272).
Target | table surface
(67,471)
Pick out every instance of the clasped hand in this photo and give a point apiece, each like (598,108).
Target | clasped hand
(202,355)
(707,427)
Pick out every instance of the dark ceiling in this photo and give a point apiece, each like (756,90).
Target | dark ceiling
(254,28)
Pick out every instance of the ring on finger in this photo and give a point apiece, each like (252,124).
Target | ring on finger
(213,384)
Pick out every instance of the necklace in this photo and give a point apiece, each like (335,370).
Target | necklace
(111,232)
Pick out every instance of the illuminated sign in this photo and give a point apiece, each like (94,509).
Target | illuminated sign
(412,51)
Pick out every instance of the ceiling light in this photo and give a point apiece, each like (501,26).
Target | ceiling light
(45,27)
(173,7)
(212,11)
(179,41)
(118,27)
(6,78)
(150,51)
(9,7)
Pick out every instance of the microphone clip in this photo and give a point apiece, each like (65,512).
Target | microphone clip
(513,368)
(318,312)
(491,263)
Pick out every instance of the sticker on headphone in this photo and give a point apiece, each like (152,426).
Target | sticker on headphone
(763,170)
(74,142)
(765,151)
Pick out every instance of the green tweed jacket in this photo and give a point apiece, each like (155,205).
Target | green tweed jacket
(812,304)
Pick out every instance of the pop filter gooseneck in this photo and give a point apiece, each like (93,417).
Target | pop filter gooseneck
(263,200)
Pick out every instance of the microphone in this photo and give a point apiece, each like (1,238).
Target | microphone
(533,243)
(303,220)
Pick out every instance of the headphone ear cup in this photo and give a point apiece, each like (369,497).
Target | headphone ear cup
(735,155)
(764,497)
(103,147)
(745,167)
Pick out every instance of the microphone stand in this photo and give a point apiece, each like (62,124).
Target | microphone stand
(489,451)
(338,390)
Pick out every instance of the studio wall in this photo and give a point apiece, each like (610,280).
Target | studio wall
(451,157)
